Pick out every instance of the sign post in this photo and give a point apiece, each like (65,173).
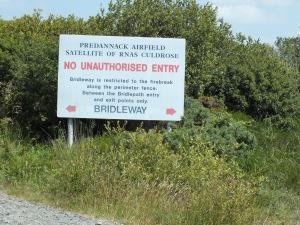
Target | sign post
(130,78)
(70,131)
(169,128)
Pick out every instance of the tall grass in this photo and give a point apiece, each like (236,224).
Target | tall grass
(136,178)
(277,159)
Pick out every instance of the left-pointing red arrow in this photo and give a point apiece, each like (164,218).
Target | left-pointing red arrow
(71,108)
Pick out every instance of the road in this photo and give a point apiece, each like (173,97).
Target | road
(14,211)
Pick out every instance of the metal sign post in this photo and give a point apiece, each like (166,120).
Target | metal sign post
(70,131)
(169,128)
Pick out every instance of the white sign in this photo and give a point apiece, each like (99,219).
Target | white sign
(130,78)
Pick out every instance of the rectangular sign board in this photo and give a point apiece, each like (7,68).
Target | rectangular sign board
(132,78)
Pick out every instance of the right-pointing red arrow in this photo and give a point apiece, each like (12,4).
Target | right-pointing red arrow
(71,108)
(170,111)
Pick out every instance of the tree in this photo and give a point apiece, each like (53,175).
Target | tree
(289,50)
(28,64)
(244,74)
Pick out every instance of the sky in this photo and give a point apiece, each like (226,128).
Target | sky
(261,19)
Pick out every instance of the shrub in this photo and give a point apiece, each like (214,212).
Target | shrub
(138,170)
(135,176)
(259,83)
(216,129)
(243,75)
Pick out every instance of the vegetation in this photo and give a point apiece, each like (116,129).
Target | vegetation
(289,50)
(233,159)
(239,73)
(188,176)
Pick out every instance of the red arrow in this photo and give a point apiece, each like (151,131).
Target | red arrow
(71,108)
(170,111)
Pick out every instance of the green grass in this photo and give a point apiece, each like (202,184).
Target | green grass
(136,178)
(133,177)
(278,160)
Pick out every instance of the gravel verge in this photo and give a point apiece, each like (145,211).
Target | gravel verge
(14,211)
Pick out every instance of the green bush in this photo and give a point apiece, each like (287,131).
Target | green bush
(28,66)
(136,177)
(141,171)
(243,75)
(21,162)
(277,156)
(289,49)
(259,83)
(216,129)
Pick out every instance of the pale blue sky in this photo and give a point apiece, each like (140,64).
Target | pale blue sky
(263,19)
